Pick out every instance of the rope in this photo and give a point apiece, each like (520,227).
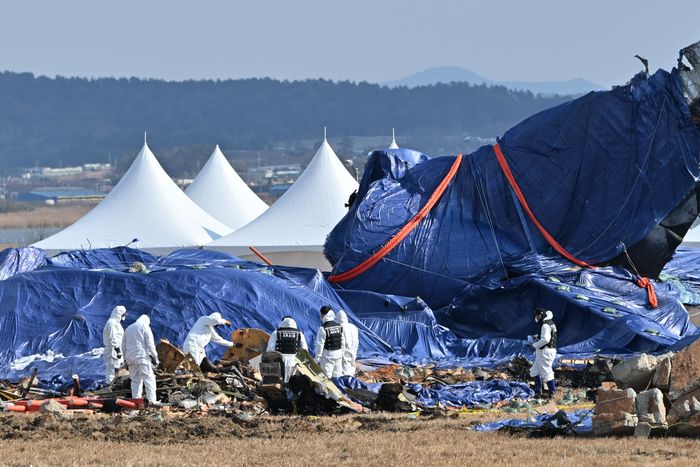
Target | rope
(405,230)
(641,281)
(480,190)
(516,188)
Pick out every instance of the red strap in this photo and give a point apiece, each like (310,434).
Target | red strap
(645,283)
(405,230)
(514,185)
(260,255)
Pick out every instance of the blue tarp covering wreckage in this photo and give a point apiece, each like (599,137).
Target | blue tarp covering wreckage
(600,173)
(60,304)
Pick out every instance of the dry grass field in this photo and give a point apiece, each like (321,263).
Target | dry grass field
(44,216)
(375,439)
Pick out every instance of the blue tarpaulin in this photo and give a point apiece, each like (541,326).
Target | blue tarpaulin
(580,421)
(61,305)
(469,394)
(596,311)
(598,172)
(682,275)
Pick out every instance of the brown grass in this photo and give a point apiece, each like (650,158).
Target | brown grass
(44,216)
(375,439)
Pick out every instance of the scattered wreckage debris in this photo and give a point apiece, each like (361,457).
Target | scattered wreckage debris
(233,387)
(655,395)
(650,395)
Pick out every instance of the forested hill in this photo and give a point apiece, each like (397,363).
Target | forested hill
(75,120)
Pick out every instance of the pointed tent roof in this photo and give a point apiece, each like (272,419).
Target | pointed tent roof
(393,144)
(146,205)
(223,194)
(302,218)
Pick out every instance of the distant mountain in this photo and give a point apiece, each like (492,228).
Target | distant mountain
(448,74)
(443,74)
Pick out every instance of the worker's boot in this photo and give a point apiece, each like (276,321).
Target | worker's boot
(538,386)
(552,386)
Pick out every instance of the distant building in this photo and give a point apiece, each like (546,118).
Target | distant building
(45,173)
(274,174)
(96,167)
(51,172)
(61,196)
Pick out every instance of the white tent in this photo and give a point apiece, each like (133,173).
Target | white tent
(292,232)
(393,144)
(145,205)
(692,238)
(223,194)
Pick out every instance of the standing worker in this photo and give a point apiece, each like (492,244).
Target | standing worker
(545,345)
(199,337)
(287,340)
(329,344)
(141,356)
(351,342)
(112,339)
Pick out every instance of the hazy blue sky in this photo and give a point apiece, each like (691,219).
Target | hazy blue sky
(356,39)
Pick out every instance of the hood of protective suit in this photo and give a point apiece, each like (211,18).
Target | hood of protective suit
(138,343)
(213,319)
(288,323)
(548,315)
(118,313)
(201,334)
(143,320)
(342,317)
(330,316)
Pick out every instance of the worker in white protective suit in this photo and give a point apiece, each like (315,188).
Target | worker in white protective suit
(141,357)
(199,337)
(112,339)
(329,345)
(287,340)
(351,342)
(545,345)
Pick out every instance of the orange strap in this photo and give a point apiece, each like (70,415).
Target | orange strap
(405,230)
(645,283)
(514,185)
(260,255)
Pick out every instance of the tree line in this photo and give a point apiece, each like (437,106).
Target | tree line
(52,121)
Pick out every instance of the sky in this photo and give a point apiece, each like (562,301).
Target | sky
(359,40)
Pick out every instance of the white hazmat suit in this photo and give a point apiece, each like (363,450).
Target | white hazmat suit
(351,342)
(289,358)
(201,334)
(112,336)
(544,355)
(140,356)
(329,346)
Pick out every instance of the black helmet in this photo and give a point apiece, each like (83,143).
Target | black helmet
(540,313)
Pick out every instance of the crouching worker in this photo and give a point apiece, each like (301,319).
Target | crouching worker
(112,336)
(141,357)
(545,345)
(199,337)
(287,340)
(329,344)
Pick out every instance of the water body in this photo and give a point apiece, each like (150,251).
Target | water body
(24,237)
